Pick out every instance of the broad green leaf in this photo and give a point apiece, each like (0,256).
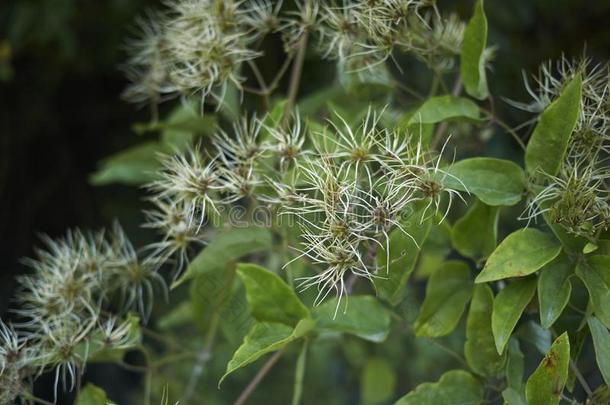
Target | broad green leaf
(601,343)
(472,61)
(404,251)
(363,316)
(479,348)
(219,294)
(545,385)
(447,293)
(521,253)
(269,297)
(442,108)
(554,289)
(454,387)
(92,395)
(134,166)
(493,181)
(377,381)
(595,273)
(515,366)
(549,142)
(225,247)
(474,235)
(263,338)
(508,307)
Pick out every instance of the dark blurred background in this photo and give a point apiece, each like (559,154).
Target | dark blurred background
(61,112)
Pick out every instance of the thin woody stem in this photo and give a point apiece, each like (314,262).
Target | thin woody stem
(259,376)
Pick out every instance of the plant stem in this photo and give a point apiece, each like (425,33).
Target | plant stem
(205,353)
(580,378)
(259,376)
(295,78)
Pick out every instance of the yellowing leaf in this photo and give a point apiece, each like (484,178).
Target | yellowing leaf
(545,385)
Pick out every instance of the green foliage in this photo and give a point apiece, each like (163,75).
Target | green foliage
(545,385)
(363,316)
(270,299)
(601,342)
(493,181)
(554,289)
(593,271)
(92,395)
(547,147)
(454,387)
(443,108)
(507,308)
(377,382)
(447,293)
(521,253)
(479,348)
(404,247)
(473,62)
(474,235)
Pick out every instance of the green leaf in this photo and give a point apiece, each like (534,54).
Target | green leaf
(377,382)
(545,385)
(601,343)
(472,61)
(269,297)
(549,142)
(535,335)
(404,251)
(92,395)
(508,306)
(263,338)
(513,397)
(454,387)
(479,348)
(570,242)
(225,247)
(133,166)
(594,273)
(521,253)
(493,181)
(364,317)
(554,289)
(436,247)
(515,366)
(475,234)
(447,294)
(443,108)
